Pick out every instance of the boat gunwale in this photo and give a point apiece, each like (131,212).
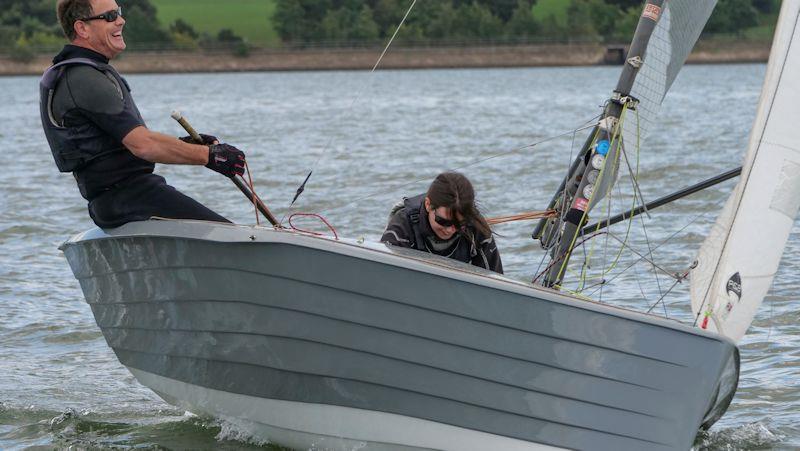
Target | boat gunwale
(379,253)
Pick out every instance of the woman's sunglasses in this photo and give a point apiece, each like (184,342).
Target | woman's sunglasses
(446,222)
(108,16)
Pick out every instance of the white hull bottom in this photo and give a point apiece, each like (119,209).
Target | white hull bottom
(325,427)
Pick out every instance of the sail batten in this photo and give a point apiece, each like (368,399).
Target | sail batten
(745,244)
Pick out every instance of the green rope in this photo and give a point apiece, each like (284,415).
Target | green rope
(571,247)
(633,201)
(615,137)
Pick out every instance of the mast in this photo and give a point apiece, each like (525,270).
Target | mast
(594,171)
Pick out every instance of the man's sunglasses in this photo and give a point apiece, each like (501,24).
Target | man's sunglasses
(108,16)
(446,222)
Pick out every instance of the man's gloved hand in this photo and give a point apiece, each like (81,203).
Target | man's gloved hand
(207,139)
(225,159)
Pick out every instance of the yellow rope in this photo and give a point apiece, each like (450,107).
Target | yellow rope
(614,134)
(633,203)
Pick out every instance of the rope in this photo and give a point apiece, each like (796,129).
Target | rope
(522,217)
(653,249)
(633,176)
(457,168)
(311,232)
(350,108)
(560,257)
(614,136)
(671,275)
(545,229)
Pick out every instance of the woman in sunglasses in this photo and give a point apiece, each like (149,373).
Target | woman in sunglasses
(445,221)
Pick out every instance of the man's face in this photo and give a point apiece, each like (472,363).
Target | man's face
(105,37)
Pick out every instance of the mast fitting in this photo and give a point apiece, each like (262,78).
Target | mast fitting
(635,61)
(608,123)
(625,99)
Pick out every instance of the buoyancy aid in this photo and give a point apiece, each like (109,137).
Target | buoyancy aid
(73,147)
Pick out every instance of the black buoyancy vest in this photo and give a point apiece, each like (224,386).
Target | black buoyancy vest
(412,206)
(466,249)
(74,147)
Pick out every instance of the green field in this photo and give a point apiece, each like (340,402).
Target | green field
(251,19)
(543,10)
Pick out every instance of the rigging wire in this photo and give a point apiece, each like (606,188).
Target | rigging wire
(615,135)
(650,249)
(668,239)
(638,279)
(350,110)
(560,257)
(678,279)
(457,168)
(643,257)
(603,271)
(637,195)
(633,199)
(563,214)
(644,205)
(659,301)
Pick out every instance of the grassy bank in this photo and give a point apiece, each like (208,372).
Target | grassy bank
(250,19)
(551,10)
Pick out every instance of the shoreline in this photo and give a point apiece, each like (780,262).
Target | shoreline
(483,56)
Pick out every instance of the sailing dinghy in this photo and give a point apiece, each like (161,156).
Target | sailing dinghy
(310,350)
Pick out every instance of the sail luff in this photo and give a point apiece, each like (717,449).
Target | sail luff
(739,259)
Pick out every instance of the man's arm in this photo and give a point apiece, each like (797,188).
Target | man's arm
(160,148)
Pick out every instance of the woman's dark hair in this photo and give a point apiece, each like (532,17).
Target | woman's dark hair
(69,12)
(454,192)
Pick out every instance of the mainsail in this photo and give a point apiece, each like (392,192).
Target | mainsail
(672,40)
(737,262)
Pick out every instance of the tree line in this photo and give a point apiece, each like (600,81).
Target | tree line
(30,26)
(27,26)
(299,21)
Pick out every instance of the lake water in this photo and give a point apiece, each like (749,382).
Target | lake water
(372,139)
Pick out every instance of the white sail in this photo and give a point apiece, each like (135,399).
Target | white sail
(737,262)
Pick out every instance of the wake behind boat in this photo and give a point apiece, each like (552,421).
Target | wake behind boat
(333,344)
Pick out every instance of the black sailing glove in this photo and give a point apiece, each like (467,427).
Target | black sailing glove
(207,139)
(225,159)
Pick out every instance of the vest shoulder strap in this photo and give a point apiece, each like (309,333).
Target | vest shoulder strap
(412,207)
(53,73)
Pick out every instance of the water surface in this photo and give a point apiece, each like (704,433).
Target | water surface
(370,140)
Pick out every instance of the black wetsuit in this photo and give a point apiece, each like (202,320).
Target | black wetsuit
(409,227)
(91,111)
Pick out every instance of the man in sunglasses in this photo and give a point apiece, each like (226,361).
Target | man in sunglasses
(95,130)
(445,221)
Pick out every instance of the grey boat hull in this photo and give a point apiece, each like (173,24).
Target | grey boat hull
(344,345)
